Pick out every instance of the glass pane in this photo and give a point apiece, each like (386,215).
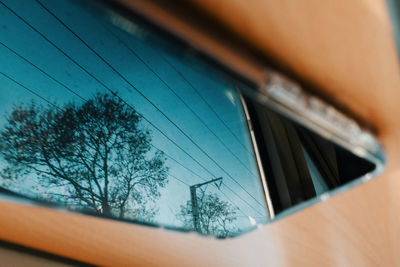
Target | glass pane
(121,125)
(301,165)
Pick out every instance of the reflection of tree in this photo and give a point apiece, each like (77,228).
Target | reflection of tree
(216,216)
(94,154)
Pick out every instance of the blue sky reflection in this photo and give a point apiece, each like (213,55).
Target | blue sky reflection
(200,112)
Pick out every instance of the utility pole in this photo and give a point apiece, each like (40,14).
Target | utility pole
(195,204)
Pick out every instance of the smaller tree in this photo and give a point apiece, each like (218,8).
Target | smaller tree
(216,217)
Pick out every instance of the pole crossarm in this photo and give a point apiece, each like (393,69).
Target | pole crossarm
(208,182)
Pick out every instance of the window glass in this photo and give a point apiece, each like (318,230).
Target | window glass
(117,124)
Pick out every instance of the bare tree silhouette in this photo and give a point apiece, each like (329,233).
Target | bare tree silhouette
(216,216)
(95,155)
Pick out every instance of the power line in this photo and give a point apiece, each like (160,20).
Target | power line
(176,178)
(181,99)
(42,71)
(229,199)
(29,90)
(148,100)
(207,103)
(180,164)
